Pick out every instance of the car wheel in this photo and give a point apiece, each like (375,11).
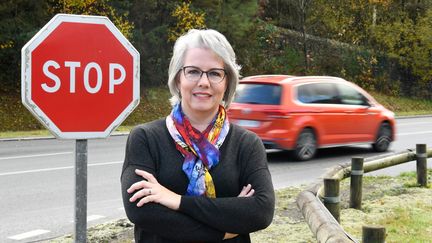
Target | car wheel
(306,145)
(383,140)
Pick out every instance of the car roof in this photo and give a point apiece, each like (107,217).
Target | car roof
(279,79)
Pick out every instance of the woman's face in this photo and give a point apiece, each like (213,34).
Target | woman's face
(201,97)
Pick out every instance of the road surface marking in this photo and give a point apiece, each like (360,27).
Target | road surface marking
(94,217)
(412,133)
(34,155)
(29,234)
(412,123)
(56,168)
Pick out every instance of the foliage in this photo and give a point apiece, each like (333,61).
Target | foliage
(410,41)
(393,39)
(236,20)
(151,19)
(271,53)
(92,7)
(380,44)
(20,20)
(185,20)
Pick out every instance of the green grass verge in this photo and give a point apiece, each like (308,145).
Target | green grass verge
(393,202)
(403,106)
(17,121)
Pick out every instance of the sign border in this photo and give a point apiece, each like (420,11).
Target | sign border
(26,75)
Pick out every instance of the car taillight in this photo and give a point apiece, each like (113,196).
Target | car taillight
(277,114)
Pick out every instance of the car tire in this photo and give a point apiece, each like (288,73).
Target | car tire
(383,139)
(306,145)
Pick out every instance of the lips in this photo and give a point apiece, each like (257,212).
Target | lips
(202,95)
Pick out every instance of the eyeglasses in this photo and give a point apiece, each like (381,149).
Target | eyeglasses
(194,74)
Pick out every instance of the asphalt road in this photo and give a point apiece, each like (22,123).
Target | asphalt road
(37,178)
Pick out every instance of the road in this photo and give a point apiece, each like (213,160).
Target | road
(37,178)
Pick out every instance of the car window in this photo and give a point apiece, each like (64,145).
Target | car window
(350,96)
(318,93)
(269,94)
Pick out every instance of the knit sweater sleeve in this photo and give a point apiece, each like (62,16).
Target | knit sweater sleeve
(234,214)
(154,218)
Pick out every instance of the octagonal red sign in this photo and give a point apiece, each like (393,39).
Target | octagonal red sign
(80,76)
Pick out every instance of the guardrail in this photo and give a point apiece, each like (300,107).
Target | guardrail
(319,203)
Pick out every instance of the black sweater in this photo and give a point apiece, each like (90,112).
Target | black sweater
(199,219)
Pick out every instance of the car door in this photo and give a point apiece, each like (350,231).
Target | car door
(328,114)
(359,117)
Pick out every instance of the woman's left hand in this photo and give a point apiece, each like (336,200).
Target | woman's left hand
(149,190)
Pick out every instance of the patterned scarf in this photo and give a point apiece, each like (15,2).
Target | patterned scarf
(200,150)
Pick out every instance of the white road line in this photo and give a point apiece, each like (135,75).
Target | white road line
(34,155)
(29,234)
(94,217)
(56,168)
(412,133)
(412,123)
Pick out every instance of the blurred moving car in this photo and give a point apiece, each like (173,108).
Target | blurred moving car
(305,113)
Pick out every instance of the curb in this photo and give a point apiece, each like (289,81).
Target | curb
(52,137)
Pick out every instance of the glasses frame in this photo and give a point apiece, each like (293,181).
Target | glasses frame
(206,72)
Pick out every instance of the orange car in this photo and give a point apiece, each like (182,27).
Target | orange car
(305,113)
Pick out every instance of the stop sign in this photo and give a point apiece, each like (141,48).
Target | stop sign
(80,76)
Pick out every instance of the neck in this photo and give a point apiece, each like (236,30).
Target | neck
(200,121)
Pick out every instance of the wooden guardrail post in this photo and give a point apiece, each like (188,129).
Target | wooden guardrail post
(331,197)
(421,155)
(373,234)
(356,183)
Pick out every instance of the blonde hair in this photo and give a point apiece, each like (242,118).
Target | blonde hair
(210,39)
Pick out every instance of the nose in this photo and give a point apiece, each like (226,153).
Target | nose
(204,80)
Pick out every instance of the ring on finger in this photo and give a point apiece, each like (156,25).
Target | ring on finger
(150,192)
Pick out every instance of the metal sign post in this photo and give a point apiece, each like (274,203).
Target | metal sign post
(80,231)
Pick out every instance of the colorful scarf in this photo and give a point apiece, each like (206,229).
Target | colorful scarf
(200,150)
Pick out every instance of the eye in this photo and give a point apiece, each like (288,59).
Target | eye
(192,71)
(216,73)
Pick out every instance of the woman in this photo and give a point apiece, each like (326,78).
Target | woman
(193,176)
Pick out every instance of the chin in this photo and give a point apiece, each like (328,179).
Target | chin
(204,108)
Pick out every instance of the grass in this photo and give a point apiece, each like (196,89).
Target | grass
(17,121)
(395,203)
(403,106)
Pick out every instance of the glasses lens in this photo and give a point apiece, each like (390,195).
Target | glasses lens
(216,75)
(192,73)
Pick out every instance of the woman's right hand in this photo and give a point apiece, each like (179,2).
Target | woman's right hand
(246,191)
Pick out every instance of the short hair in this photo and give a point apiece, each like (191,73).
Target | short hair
(217,43)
